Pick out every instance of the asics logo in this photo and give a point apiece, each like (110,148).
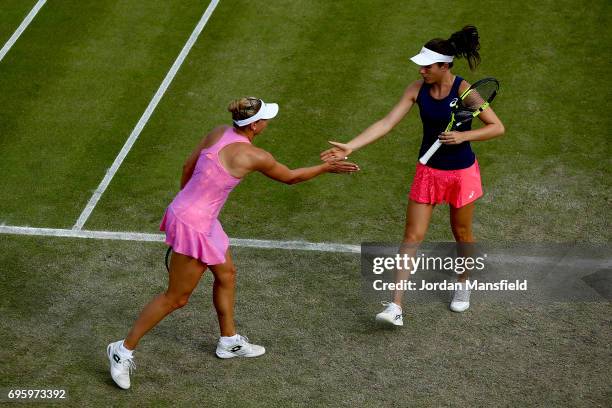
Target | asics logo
(116,358)
(397,317)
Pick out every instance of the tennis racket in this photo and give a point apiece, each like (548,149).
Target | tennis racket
(470,103)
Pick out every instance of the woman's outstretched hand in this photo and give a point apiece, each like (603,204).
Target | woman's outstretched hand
(341,166)
(340,151)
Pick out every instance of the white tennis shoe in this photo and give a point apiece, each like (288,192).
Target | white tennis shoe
(461,298)
(239,348)
(120,365)
(391,315)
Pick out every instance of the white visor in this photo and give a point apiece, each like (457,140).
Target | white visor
(428,57)
(267,111)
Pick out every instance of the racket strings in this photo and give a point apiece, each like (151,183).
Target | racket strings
(472,101)
(480,93)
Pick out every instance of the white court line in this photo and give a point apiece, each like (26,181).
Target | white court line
(144,237)
(604,263)
(110,173)
(24,24)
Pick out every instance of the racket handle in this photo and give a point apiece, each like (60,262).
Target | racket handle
(434,148)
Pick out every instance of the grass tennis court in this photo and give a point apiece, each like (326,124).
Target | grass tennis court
(77,81)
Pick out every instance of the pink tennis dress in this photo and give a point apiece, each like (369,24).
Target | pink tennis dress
(190,221)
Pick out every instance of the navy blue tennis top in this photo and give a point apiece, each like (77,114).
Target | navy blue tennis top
(435,115)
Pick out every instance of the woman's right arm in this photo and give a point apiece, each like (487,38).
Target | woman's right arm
(378,129)
(262,161)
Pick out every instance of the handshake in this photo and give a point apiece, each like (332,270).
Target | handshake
(337,157)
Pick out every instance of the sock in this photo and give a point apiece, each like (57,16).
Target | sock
(226,340)
(126,352)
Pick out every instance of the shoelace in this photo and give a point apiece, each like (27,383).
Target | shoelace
(244,341)
(131,364)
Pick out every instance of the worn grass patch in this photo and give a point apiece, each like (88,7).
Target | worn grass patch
(64,300)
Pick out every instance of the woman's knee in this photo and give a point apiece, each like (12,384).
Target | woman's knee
(227,274)
(413,237)
(177,301)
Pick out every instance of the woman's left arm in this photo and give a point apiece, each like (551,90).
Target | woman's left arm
(493,127)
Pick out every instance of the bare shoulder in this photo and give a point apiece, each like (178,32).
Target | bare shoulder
(218,131)
(256,158)
(247,155)
(463,86)
(416,84)
(213,136)
(257,154)
(413,89)
(242,158)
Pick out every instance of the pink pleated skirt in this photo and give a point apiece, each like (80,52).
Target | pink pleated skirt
(455,187)
(209,247)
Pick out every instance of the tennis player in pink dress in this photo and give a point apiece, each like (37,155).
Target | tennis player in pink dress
(452,175)
(193,231)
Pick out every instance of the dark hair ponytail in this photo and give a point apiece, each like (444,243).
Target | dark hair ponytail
(464,43)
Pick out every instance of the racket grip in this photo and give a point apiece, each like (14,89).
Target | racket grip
(434,148)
